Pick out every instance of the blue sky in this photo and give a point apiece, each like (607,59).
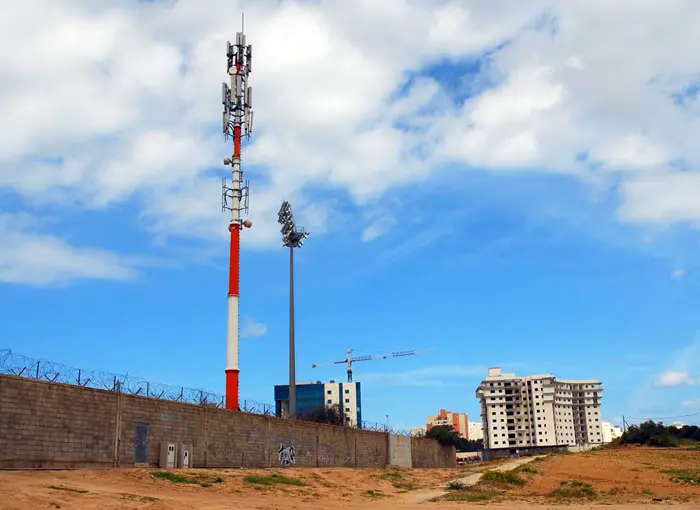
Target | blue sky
(444,185)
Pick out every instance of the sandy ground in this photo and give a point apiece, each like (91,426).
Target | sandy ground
(628,478)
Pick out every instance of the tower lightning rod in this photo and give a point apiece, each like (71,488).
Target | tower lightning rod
(237,123)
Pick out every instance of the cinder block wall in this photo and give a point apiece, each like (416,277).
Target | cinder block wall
(428,453)
(400,451)
(44,424)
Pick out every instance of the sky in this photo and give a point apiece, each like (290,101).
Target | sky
(511,184)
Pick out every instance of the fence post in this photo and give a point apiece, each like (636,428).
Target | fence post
(37,369)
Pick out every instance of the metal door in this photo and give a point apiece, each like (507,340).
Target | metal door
(141,443)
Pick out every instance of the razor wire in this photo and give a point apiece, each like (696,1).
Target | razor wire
(21,366)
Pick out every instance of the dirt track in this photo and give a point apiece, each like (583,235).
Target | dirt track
(631,478)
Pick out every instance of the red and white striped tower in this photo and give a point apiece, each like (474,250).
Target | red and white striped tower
(237,122)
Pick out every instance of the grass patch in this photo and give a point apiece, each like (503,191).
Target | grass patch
(67,489)
(684,476)
(470,495)
(647,492)
(140,499)
(398,481)
(527,469)
(274,479)
(575,489)
(614,491)
(502,477)
(455,485)
(194,479)
(374,494)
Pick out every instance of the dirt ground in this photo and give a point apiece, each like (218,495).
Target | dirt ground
(624,478)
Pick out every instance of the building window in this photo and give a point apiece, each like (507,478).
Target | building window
(347,409)
(347,400)
(347,391)
(328,392)
(329,401)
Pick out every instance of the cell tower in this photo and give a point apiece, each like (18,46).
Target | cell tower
(237,123)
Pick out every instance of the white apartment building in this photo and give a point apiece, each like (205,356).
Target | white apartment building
(610,432)
(476,430)
(539,411)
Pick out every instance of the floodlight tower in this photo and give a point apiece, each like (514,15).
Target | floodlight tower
(292,237)
(237,123)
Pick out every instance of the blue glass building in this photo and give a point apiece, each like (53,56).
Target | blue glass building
(311,397)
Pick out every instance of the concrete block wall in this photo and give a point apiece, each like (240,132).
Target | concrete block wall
(44,424)
(427,453)
(337,447)
(51,425)
(400,451)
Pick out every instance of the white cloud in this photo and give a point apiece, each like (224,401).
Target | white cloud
(251,328)
(380,222)
(677,378)
(692,404)
(678,273)
(33,258)
(132,109)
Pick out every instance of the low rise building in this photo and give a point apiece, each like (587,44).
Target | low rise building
(458,421)
(610,432)
(313,397)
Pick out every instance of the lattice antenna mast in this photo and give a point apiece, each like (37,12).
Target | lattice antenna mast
(237,99)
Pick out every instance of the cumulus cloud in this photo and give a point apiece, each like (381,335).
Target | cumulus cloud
(677,378)
(251,328)
(344,100)
(33,258)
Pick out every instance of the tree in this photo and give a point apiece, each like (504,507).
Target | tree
(651,434)
(470,445)
(446,435)
(332,415)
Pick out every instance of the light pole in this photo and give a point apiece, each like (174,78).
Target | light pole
(292,237)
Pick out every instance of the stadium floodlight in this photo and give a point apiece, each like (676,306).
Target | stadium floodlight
(292,237)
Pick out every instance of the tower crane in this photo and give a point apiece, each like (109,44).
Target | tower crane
(350,359)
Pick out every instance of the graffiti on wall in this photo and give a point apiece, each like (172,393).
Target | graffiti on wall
(286,455)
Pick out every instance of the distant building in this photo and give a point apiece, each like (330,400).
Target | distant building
(475,430)
(458,421)
(312,397)
(610,432)
(418,431)
(538,412)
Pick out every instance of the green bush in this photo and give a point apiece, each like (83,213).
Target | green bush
(502,477)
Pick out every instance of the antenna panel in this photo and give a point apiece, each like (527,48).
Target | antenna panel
(249,97)
(224,93)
